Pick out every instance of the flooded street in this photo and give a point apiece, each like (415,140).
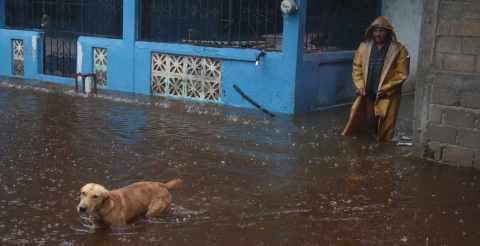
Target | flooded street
(248,179)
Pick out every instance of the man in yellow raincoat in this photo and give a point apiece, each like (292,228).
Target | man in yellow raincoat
(380,66)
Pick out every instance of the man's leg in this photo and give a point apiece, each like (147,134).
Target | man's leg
(371,119)
(386,125)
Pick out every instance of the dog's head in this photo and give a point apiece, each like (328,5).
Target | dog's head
(92,198)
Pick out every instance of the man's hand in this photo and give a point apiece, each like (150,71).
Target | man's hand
(380,95)
(361,91)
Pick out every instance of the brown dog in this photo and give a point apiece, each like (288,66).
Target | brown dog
(121,206)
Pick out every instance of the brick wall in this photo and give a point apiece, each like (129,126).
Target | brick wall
(447,103)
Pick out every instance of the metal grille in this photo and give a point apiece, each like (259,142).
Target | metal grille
(18,55)
(60,54)
(100,59)
(334,25)
(217,23)
(63,21)
(80,17)
(186,76)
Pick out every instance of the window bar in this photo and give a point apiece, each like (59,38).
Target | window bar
(91,12)
(32,22)
(63,55)
(74,57)
(50,65)
(174,17)
(184,20)
(307,28)
(220,21)
(248,29)
(69,59)
(45,54)
(143,23)
(18,7)
(15,8)
(103,27)
(257,20)
(230,21)
(239,22)
(83,15)
(266,17)
(207,17)
(8,10)
(276,32)
(57,60)
(100,11)
(57,57)
(14,5)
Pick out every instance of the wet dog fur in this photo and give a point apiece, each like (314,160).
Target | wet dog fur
(122,206)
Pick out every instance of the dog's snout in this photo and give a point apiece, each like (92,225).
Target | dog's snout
(82,209)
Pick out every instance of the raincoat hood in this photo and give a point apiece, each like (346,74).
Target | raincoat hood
(382,22)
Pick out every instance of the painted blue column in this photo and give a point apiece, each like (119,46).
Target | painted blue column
(293,30)
(129,20)
(129,37)
(2,13)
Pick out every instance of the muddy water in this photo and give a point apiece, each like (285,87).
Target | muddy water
(249,180)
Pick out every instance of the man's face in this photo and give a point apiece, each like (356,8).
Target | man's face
(380,35)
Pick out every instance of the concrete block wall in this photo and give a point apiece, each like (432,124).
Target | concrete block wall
(448,91)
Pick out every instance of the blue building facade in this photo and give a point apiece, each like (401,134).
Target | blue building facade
(290,80)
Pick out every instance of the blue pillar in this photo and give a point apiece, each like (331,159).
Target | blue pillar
(293,36)
(2,13)
(129,20)
(129,37)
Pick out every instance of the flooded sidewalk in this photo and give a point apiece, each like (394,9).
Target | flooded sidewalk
(248,179)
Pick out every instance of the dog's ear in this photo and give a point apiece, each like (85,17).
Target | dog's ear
(106,197)
(107,202)
(102,192)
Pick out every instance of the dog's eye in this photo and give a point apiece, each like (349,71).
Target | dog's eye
(83,194)
(94,196)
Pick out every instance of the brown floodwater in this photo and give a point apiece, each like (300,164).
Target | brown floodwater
(248,179)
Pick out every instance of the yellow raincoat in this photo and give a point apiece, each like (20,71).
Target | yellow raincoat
(395,72)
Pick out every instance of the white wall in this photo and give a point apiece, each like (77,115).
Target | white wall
(406,17)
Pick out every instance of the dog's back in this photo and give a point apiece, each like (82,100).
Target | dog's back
(151,187)
(142,198)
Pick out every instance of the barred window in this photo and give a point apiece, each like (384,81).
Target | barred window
(218,23)
(334,25)
(89,17)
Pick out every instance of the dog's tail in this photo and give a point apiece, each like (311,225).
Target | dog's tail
(174,183)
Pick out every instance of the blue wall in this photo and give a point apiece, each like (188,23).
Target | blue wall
(325,79)
(33,52)
(271,83)
(121,53)
(6,56)
(322,79)
(268,83)
(285,81)
(33,56)
(119,72)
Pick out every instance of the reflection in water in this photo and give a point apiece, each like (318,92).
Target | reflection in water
(249,180)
